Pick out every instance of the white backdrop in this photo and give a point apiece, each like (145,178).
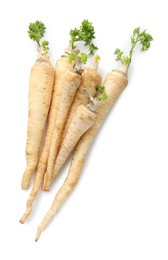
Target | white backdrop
(119,207)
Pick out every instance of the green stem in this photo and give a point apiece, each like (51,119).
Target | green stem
(143,38)
(132,50)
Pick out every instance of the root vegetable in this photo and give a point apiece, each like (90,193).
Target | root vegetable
(40,91)
(70,83)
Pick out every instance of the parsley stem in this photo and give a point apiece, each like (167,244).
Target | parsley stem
(36,32)
(143,38)
(132,50)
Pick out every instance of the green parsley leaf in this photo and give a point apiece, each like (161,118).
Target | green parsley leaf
(85,34)
(36,31)
(143,38)
(100,88)
(97,58)
(45,45)
(82,57)
(102,97)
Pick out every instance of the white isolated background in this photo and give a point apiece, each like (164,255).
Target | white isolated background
(119,209)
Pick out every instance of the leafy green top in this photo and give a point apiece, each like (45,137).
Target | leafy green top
(36,32)
(97,58)
(85,33)
(80,58)
(143,38)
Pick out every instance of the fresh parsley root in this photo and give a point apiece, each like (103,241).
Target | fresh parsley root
(70,83)
(40,91)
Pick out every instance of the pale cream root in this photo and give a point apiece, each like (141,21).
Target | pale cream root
(40,91)
(70,83)
(62,194)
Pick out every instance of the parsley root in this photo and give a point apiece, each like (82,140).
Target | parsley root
(70,83)
(40,91)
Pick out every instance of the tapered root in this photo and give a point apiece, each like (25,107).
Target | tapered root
(70,83)
(40,92)
(67,187)
(25,216)
(38,235)
(36,187)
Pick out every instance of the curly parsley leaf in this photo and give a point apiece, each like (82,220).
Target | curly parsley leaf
(143,38)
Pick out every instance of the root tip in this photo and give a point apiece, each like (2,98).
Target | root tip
(37,235)
(21,221)
(23,218)
(24,185)
(46,187)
